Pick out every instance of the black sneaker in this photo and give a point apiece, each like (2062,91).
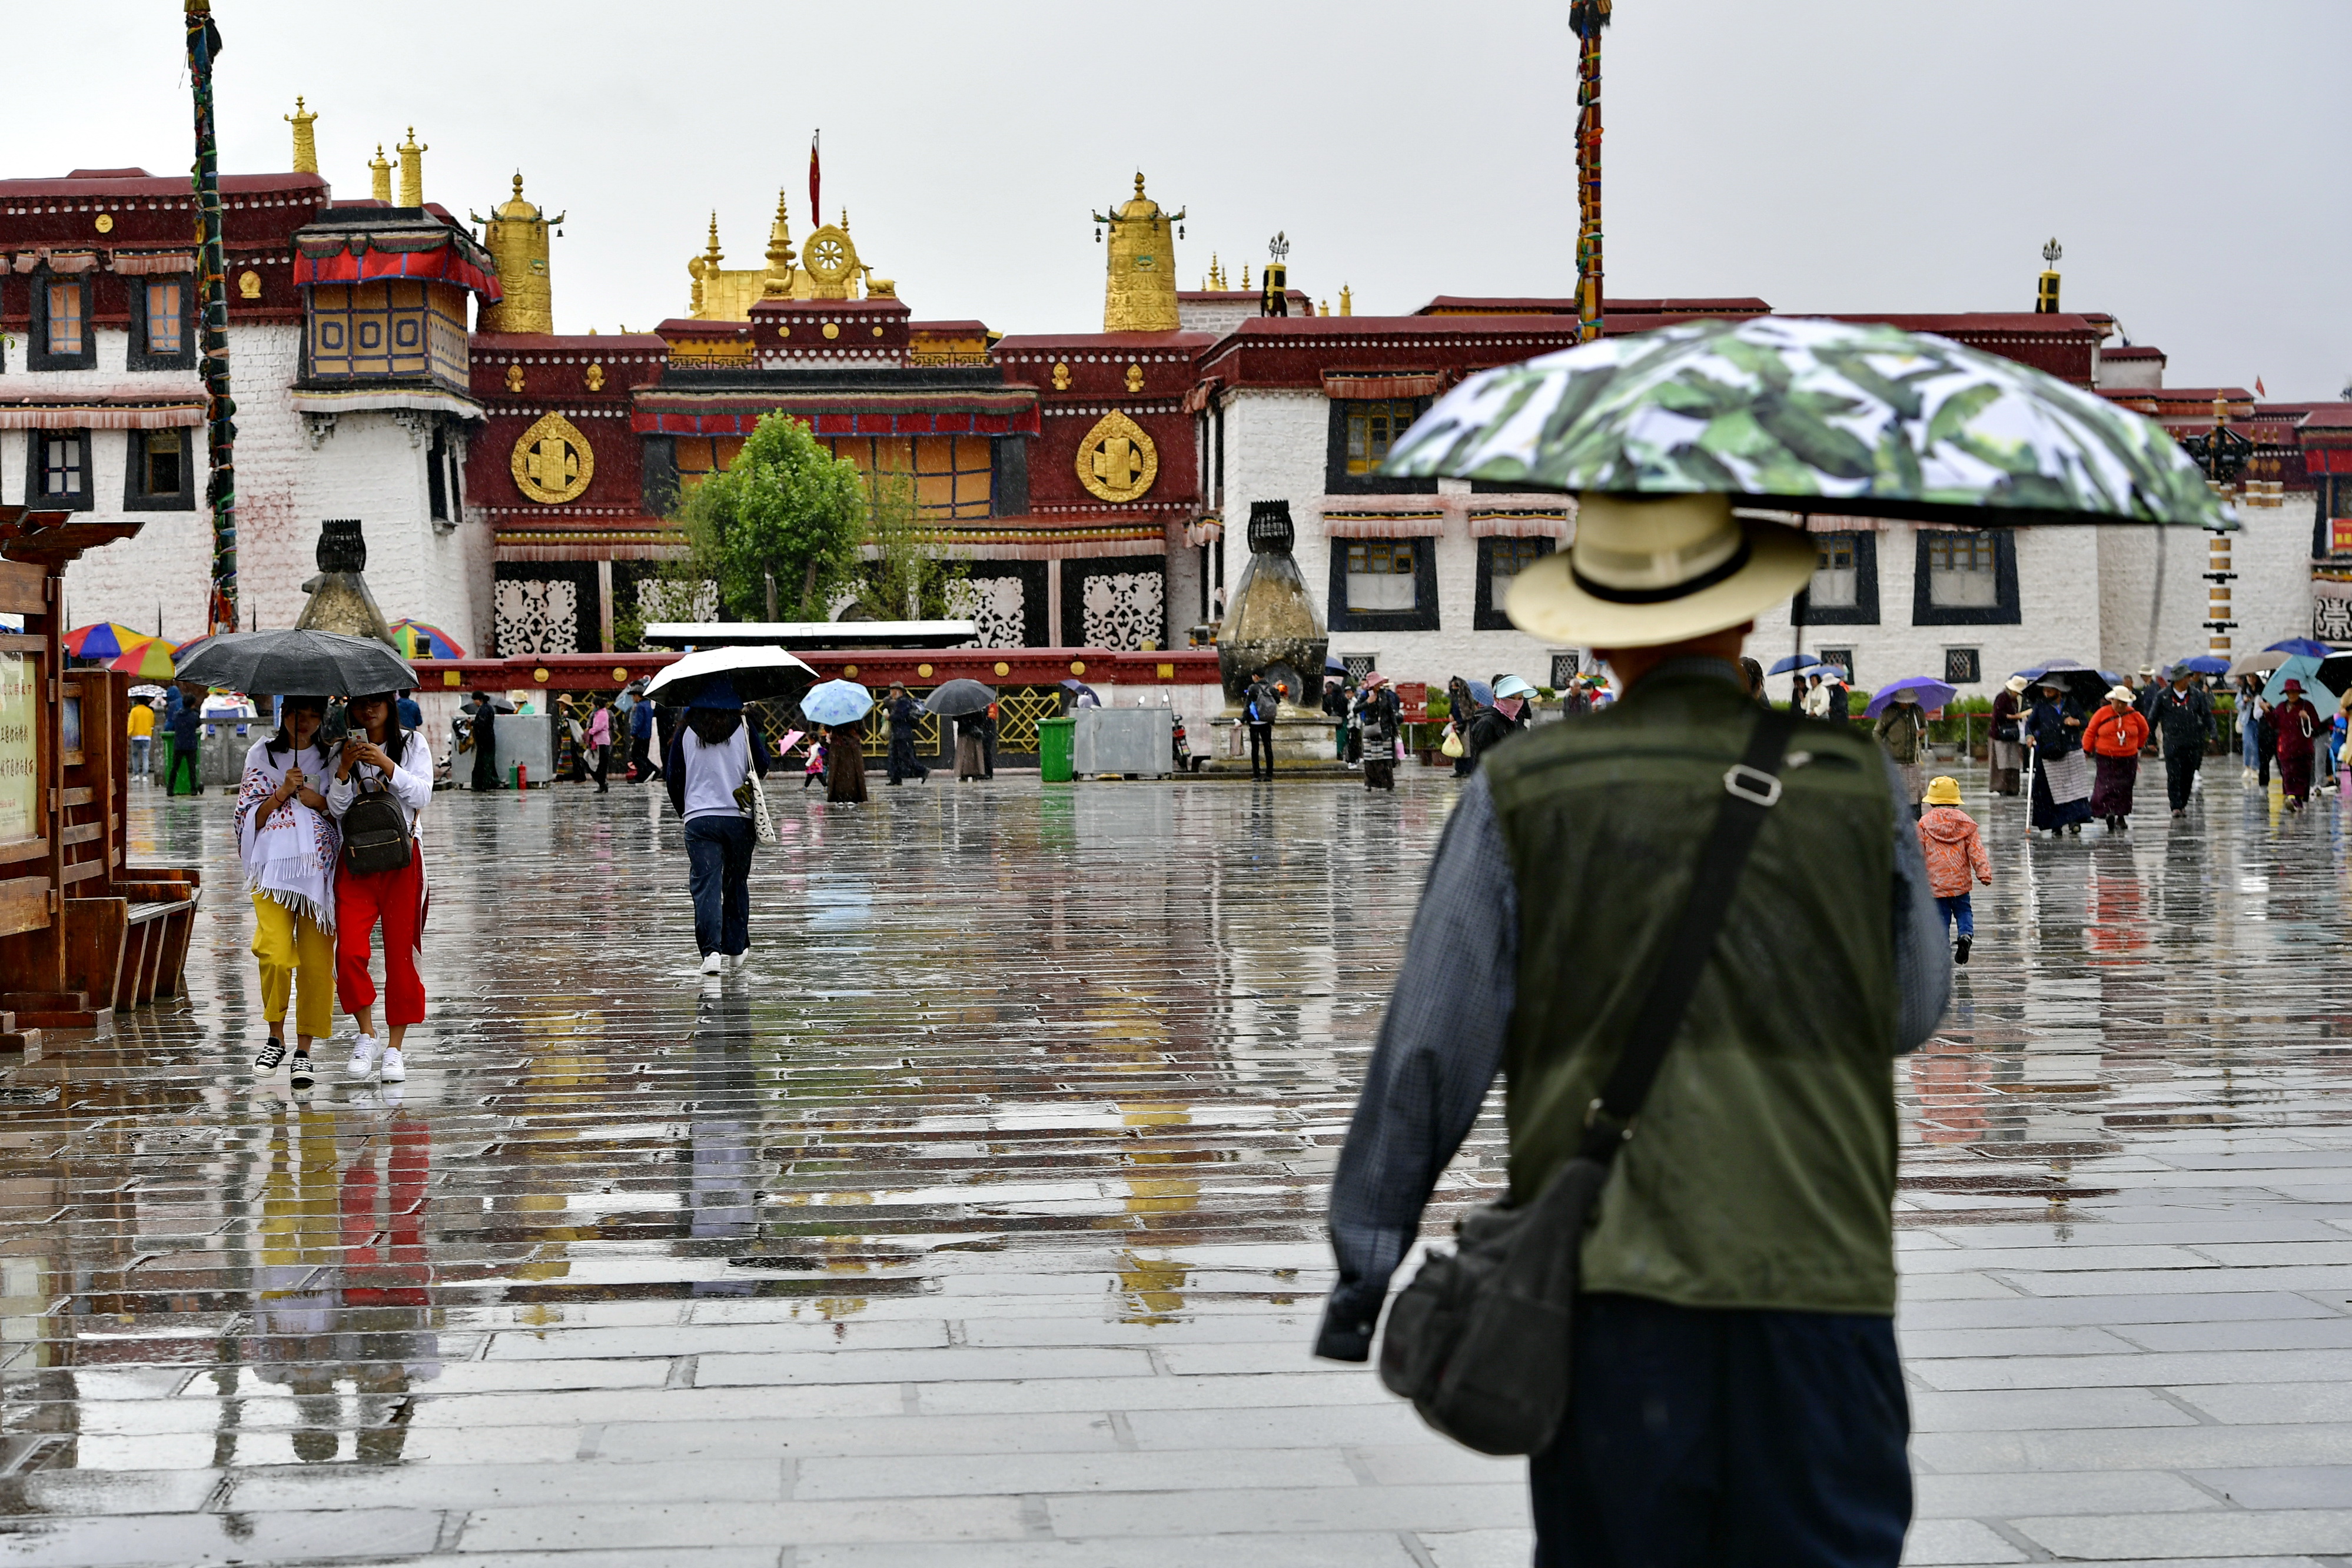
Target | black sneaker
(272,1053)
(298,1075)
(1960,950)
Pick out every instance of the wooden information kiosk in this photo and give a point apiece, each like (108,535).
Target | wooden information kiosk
(81,933)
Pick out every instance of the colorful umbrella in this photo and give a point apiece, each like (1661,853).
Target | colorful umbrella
(1933,693)
(105,639)
(414,639)
(1856,417)
(152,661)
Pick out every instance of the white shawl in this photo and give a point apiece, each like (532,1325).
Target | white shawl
(290,858)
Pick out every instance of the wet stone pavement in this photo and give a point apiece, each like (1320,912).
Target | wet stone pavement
(976,1222)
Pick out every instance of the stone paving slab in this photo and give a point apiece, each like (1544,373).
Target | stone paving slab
(978,1223)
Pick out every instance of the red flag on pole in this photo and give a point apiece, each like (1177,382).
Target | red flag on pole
(817,212)
(2258,388)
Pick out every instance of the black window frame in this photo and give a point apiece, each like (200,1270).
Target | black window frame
(1338,480)
(141,357)
(2003,611)
(36,495)
(36,333)
(1422,617)
(1864,610)
(1488,615)
(437,475)
(136,496)
(1975,661)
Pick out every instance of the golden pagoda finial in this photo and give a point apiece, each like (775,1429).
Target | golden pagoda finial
(380,177)
(711,254)
(306,142)
(1244,277)
(515,234)
(412,171)
(1138,184)
(1347,301)
(778,282)
(1326,309)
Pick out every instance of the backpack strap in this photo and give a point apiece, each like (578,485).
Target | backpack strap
(1751,787)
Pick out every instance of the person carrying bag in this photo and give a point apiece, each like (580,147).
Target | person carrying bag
(383,782)
(1683,1310)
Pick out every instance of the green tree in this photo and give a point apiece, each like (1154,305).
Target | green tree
(779,531)
(907,570)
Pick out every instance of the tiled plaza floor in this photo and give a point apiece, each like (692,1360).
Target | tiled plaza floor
(978,1223)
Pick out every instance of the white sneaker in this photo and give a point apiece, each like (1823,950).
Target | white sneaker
(712,963)
(364,1056)
(737,962)
(394,1069)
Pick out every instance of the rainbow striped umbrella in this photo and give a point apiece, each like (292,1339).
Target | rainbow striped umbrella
(414,639)
(152,661)
(105,639)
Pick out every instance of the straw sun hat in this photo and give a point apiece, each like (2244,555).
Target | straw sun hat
(1645,570)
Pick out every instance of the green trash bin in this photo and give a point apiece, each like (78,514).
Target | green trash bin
(1054,742)
(164,750)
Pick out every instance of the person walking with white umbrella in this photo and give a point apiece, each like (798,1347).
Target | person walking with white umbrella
(713,758)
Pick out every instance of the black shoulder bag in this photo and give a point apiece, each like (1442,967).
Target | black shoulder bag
(1480,1341)
(375,832)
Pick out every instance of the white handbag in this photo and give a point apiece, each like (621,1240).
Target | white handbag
(763,826)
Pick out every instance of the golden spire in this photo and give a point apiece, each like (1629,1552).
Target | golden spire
(1140,294)
(380,177)
(412,171)
(306,143)
(703,266)
(1347,301)
(515,234)
(778,282)
(1245,288)
(1326,309)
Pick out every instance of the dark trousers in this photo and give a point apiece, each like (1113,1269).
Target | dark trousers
(604,755)
(902,757)
(2180,772)
(641,761)
(1261,741)
(1722,1438)
(184,758)
(485,767)
(719,870)
(1955,909)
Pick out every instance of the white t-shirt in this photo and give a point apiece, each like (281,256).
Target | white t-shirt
(712,773)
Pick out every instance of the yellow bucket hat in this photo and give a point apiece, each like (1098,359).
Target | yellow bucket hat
(1943,790)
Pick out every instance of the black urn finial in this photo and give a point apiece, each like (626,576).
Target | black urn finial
(342,546)
(1270,530)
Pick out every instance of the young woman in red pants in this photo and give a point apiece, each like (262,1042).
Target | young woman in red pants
(380,756)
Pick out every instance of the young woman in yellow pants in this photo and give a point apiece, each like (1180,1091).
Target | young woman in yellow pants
(288,842)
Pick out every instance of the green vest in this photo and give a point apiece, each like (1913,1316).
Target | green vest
(1761,1170)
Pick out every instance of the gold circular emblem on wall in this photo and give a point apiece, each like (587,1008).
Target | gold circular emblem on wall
(828,255)
(552,463)
(105,223)
(832,330)
(1117,461)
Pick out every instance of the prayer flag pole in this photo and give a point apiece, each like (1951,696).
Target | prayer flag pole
(212,286)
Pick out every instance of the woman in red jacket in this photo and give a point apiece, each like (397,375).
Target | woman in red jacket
(2113,738)
(2299,727)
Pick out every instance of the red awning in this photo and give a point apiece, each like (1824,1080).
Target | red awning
(368,258)
(1371,388)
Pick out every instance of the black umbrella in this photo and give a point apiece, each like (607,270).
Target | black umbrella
(2087,687)
(296,664)
(958,698)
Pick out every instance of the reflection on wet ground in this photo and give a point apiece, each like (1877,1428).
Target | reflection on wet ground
(978,1221)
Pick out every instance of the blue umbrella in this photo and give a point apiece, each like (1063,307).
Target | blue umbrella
(1793,662)
(2205,664)
(2302,646)
(2301,667)
(1333,667)
(1481,693)
(837,702)
(1080,689)
(1933,693)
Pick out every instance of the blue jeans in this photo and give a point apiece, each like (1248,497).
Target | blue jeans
(1726,1439)
(718,861)
(1956,908)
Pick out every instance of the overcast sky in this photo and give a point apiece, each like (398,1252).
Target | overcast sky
(1834,155)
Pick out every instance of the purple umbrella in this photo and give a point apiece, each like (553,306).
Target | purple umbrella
(1933,693)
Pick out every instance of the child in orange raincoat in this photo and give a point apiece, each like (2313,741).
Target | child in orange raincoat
(1953,850)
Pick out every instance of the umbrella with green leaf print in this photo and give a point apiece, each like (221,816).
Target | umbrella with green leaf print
(1799,415)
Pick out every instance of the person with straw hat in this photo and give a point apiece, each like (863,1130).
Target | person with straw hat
(2007,748)
(2112,741)
(1738,1283)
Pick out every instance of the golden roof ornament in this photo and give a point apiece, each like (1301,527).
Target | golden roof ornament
(380,177)
(412,169)
(1139,295)
(778,282)
(1347,301)
(306,140)
(515,234)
